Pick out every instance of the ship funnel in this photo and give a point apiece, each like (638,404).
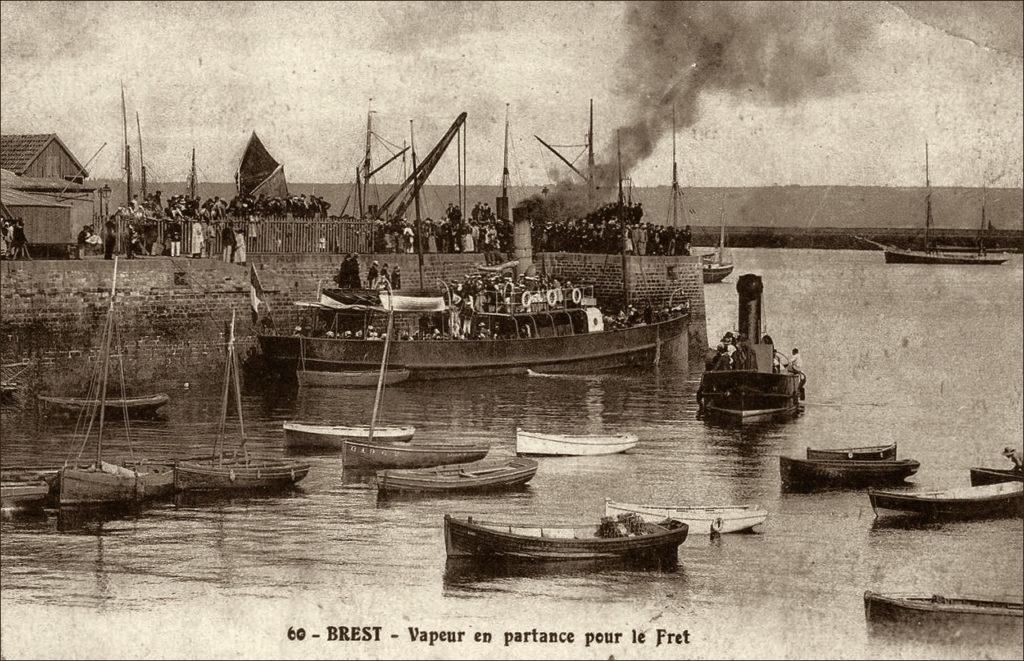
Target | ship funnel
(749,287)
(522,241)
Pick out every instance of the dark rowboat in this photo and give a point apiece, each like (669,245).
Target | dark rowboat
(481,476)
(864,453)
(136,406)
(946,617)
(238,474)
(716,272)
(358,454)
(361,379)
(23,495)
(470,538)
(803,474)
(992,500)
(983,476)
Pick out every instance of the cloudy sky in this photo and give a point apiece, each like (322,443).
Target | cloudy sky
(767,94)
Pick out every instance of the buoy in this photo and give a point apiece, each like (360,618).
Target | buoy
(525,299)
(577,295)
(552,297)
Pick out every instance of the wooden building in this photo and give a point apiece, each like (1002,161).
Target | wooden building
(40,155)
(46,222)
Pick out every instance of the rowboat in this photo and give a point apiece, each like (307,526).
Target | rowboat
(308,435)
(804,474)
(361,379)
(950,617)
(113,483)
(371,454)
(235,473)
(480,476)
(716,272)
(23,495)
(701,520)
(481,539)
(238,474)
(983,476)
(135,406)
(863,453)
(566,445)
(1005,499)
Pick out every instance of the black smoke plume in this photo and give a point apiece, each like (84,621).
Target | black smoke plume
(778,53)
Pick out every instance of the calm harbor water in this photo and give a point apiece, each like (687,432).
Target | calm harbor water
(930,357)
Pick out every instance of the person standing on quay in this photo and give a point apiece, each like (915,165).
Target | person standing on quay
(396,278)
(20,241)
(240,243)
(198,239)
(227,238)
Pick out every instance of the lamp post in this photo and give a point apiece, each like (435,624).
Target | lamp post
(105,201)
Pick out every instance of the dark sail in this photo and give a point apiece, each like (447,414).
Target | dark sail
(259,172)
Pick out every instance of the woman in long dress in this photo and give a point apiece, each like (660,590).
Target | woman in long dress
(198,239)
(240,243)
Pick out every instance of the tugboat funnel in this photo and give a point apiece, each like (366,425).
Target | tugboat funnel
(749,287)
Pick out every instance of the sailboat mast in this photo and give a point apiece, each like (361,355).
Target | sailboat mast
(105,358)
(419,221)
(225,393)
(928,202)
(383,360)
(142,161)
(127,150)
(233,366)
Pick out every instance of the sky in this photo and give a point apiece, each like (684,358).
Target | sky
(807,94)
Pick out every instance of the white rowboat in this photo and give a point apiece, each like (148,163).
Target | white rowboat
(565,445)
(300,434)
(701,520)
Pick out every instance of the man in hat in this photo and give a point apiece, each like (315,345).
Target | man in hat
(371,275)
(1015,457)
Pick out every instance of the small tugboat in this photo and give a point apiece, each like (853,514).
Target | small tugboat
(754,389)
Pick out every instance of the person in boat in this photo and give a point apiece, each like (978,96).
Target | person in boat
(744,357)
(385,275)
(396,278)
(721,361)
(1016,458)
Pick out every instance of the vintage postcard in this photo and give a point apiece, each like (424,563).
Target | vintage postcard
(508,330)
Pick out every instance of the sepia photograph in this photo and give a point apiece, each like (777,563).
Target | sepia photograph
(512,330)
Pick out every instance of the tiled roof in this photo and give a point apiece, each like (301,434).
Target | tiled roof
(17,151)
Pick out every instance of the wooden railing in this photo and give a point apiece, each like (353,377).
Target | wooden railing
(333,236)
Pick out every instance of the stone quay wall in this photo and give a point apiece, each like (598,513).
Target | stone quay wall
(173,312)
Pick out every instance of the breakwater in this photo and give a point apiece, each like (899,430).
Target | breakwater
(173,311)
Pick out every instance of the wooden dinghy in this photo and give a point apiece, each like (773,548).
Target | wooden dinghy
(361,379)
(238,474)
(480,476)
(949,617)
(983,476)
(23,495)
(716,272)
(1005,499)
(480,539)
(371,454)
(135,406)
(106,483)
(805,474)
(701,520)
(309,435)
(567,445)
(863,453)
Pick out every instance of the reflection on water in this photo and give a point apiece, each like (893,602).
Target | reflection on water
(895,353)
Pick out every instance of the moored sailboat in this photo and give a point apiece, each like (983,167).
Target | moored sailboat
(101,482)
(236,473)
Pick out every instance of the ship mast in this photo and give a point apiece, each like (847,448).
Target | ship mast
(419,222)
(142,161)
(127,151)
(622,221)
(366,159)
(675,173)
(193,180)
(590,155)
(928,202)
(505,180)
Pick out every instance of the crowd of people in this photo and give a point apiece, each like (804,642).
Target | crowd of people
(734,352)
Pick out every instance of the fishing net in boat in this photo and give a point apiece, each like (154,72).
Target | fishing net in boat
(609,528)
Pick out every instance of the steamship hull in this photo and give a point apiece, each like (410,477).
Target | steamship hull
(456,359)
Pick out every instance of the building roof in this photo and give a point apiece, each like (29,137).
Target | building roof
(18,151)
(16,198)
(42,184)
